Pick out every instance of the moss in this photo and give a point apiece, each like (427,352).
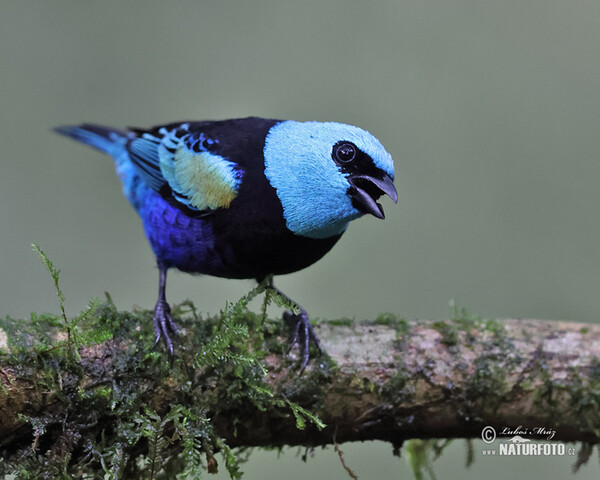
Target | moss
(394,387)
(308,389)
(421,453)
(448,332)
(398,323)
(496,328)
(368,385)
(584,400)
(581,392)
(462,319)
(492,368)
(488,379)
(341,322)
(398,389)
(546,393)
(486,386)
(138,439)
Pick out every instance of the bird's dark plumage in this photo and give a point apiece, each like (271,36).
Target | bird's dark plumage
(244,198)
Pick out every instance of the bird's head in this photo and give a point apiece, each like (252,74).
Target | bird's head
(326,174)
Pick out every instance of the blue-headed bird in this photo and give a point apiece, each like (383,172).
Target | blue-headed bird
(245,198)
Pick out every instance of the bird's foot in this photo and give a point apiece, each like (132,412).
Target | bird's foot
(164,325)
(302,334)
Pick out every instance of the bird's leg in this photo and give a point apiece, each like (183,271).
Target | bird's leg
(302,332)
(163,323)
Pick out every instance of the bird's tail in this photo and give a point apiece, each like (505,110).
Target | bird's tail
(106,139)
(114,142)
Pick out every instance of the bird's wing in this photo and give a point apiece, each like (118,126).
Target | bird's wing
(183,165)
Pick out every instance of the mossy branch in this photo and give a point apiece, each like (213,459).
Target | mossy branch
(387,379)
(92,394)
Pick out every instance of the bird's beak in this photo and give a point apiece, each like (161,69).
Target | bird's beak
(365,190)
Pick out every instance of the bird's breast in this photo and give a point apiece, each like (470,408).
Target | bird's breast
(249,241)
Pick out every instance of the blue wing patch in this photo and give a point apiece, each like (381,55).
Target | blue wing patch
(143,152)
(196,177)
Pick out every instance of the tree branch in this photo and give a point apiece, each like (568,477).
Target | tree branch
(389,380)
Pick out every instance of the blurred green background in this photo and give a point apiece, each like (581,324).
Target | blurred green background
(490,109)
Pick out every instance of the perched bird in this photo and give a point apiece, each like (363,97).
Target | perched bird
(245,198)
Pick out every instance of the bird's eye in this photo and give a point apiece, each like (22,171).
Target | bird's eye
(344,152)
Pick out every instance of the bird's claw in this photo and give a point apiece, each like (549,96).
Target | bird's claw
(164,325)
(302,334)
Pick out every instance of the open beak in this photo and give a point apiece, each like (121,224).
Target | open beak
(366,190)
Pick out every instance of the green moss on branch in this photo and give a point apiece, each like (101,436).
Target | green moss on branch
(91,394)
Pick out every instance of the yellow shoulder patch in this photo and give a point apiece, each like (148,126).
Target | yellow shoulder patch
(208,181)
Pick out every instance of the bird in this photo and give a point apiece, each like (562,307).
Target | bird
(244,198)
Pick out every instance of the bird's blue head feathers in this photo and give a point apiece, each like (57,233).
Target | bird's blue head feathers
(326,174)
